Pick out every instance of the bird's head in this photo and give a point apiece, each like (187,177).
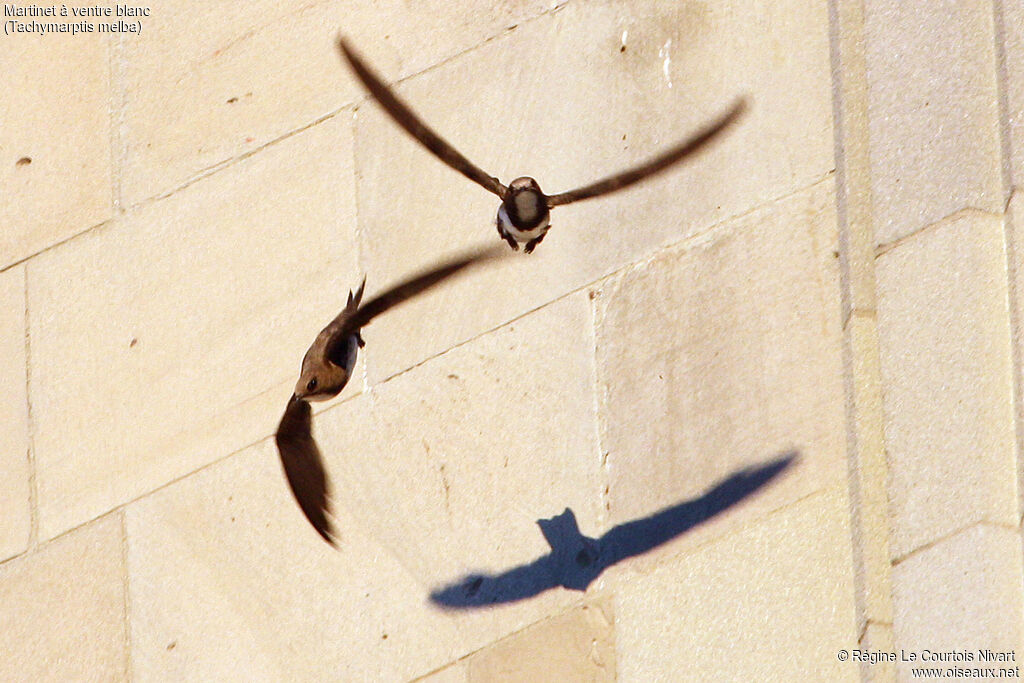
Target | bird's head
(320,379)
(524,184)
(525,203)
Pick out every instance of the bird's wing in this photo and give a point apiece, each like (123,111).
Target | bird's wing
(407,289)
(659,163)
(304,467)
(405,117)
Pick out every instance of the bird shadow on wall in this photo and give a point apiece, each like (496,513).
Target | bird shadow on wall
(576,560)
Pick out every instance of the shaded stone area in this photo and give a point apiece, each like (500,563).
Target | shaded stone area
(576,560)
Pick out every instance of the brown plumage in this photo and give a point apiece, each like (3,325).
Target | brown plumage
(326,369)
(526,220)
(304,467)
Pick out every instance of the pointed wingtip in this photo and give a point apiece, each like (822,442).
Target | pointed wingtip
(327,533)
(350,54)
(347,51)
(739,107)
(343,44)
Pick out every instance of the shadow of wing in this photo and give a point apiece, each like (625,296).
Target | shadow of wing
(481,590)
(639,536)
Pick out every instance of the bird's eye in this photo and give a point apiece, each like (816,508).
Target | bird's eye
(311,385)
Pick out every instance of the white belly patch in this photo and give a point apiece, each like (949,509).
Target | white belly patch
(521,235)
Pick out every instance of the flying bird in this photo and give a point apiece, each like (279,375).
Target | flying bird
(326,369)
(524,214)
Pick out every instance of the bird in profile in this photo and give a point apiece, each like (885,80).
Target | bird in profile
(327,368)
(524,213)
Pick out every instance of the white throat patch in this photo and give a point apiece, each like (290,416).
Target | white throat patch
(527,205)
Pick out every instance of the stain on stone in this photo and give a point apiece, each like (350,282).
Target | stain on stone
(171,645)
(133,343)
(447,491)
(24,161)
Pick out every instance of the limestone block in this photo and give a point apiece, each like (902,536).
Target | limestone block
(722,356)
(1015,260)
(62,609)
(771,602)
(578,645)
(203,87)
(933,109)
(869,471)
(944,341)
(16,521)
(1011,30)
(962,594)
(228,582)
(456,673)
(55,149)
(174,336)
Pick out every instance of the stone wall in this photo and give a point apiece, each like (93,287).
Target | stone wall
(740,422)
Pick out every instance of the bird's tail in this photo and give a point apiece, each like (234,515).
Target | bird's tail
(354,299)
